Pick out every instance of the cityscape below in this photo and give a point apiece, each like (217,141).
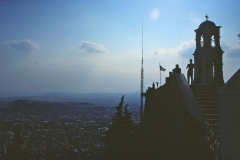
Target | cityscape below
(60,126)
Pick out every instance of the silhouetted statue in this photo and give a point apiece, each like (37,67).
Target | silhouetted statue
(153,85)
(157,84)
(190,67)
(177,69)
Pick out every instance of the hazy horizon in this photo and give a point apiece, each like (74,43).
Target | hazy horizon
(6,94)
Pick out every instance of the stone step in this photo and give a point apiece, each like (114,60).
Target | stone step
(207,98)
(215,126)
(213,106)
(206,94)
(209,103)
(211,116)
(210,111)
(214,121)
(202,88)
(216,129)
(217,133)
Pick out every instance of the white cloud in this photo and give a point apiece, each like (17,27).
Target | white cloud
(234,53)
(230,51)
(166,51)
(155,14)
(191,17)
(194,19)
(90,47)
(17,51)
(186,49)
(24,45)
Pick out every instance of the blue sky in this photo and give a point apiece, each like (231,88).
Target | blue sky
(95,46)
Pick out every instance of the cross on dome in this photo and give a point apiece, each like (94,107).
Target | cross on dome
(206,17)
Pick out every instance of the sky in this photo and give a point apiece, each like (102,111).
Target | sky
(91,46)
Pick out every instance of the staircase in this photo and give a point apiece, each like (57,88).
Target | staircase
(209,102)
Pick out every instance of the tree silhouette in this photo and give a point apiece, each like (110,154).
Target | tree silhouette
(119,133)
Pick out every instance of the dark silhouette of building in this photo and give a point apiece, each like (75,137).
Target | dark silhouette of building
(183,121)
(208,55)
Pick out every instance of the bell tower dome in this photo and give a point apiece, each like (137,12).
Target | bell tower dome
(208,55)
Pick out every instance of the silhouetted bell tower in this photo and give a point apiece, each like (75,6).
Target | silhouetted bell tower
(208,55)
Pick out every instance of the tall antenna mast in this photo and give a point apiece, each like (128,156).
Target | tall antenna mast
(238,37)
(142,77)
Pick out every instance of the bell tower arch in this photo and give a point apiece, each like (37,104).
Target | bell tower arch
(208,55)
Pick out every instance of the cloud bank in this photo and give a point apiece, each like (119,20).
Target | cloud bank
(186,49)
(230,51)
(90,47)
(24,45)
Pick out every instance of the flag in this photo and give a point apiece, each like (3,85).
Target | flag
(161,68)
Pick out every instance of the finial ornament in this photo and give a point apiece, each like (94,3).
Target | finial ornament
(206,17)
